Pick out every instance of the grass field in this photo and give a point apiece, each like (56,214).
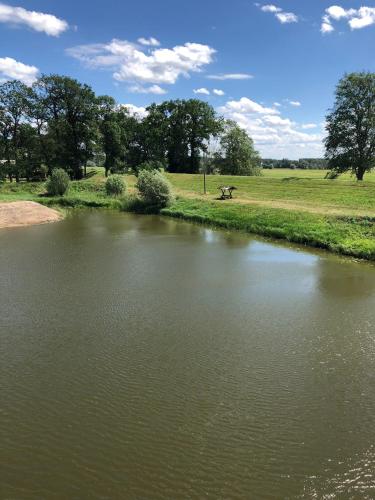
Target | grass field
(297,205)
(294,190)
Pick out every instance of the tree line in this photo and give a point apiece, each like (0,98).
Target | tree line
(302,163)
(59,122)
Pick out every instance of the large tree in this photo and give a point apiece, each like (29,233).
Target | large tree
(237,155)
(178,131)
(71,113)
(13,107)
(350,144)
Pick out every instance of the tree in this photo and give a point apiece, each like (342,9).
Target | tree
(117,130)
(350,144)
(71,113)
(13,106)
(238,156)
(178,131)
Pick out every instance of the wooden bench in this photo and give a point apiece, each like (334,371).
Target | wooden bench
(226,192)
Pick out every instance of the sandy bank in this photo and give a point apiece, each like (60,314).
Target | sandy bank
(26,213)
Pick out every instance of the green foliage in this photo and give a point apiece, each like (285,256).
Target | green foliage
(238,155)
(350,144)
(154,188)
(178,131)
(150,166)
(115,185)
(332,174)
(302,163)
(58,184)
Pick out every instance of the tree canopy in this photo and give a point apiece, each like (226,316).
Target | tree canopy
(59,122)
(350,144)
(238,155)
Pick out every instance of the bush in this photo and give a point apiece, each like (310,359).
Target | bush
(115,185)
(150,166)
(58,183)
(332,174)
(154,188)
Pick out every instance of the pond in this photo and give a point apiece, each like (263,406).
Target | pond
(147,358)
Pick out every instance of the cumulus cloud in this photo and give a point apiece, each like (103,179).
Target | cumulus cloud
(137,111)
(280,14)
(287,17)
(10,69)
(152,89)
(201,91)
(218,92)
(270,8)
(231,76)
(356,18)
(274,135)
(149,42)
(38,21)
(129,63)
(296,104)
(247,106)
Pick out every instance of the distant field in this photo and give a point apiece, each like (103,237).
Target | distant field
(311,174)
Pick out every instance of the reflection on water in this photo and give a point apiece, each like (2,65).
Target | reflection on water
(142,357)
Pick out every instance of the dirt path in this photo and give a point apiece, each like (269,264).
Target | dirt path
(288,205)
(26,213)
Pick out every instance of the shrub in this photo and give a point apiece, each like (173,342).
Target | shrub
(115,185)
(155,188)
(58,183)
(149,165)
(332,174)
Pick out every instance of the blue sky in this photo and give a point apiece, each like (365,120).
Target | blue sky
(271,66)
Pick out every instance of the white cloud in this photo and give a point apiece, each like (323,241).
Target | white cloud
(275,136)
(137,111)
(280,14)
(277,104)
(287,17)
(38,21)
(201,91)
(231,76)
(326,26)
(218,92)
(152,89)
(296,104)
(247,106)
(10,69)
(356,18)
(270,8)
(131,64)
(307,126)
(336,12)
(149,42)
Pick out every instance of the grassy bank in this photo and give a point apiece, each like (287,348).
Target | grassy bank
(299,206)
(348,236)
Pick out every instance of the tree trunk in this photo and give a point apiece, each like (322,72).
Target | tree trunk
(360,172)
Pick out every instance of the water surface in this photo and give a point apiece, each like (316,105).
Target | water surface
(147,358)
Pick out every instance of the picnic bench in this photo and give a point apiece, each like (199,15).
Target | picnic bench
(226,192)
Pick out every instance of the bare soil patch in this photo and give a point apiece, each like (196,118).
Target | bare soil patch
(26,213)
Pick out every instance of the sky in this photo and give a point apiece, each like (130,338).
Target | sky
(271,66)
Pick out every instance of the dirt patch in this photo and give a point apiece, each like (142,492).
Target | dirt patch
(26,213)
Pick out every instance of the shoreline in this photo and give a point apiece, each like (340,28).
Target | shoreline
(326,233)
